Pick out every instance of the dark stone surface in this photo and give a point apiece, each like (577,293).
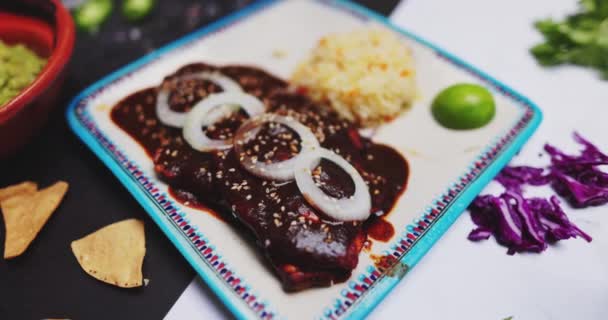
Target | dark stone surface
(47,282)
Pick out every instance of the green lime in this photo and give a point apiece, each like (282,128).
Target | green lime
(92,13)
(464,106)
(135,10)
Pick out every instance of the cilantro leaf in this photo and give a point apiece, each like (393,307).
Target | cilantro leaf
(580,39)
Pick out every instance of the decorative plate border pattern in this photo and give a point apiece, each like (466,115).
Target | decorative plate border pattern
(414,232)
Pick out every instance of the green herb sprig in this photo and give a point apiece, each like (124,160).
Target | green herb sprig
(580,39)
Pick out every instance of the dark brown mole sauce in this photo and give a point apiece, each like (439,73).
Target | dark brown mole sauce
(392,170)
(306,247)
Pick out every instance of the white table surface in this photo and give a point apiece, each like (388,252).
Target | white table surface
(459,279)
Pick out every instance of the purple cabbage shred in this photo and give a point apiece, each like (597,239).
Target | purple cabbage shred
(531,224)
(522,224)
(513,178)
(579,178)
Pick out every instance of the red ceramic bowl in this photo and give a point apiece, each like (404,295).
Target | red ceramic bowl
(46,27)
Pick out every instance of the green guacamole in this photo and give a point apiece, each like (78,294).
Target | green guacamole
(19,66)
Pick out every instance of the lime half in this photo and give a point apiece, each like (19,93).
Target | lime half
(464,106)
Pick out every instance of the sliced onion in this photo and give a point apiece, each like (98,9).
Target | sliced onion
(220,112)
(177,119)
(354,208)
(205,113)
(280,171)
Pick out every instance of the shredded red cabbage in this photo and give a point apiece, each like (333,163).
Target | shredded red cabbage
(577,178)
(521,224)
(513,178)
(530,224)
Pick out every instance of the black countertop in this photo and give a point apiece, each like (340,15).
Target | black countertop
(46,281)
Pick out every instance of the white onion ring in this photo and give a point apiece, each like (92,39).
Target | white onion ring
(220,112)
(177,119)
(204,113)
(280,171)
(355,208)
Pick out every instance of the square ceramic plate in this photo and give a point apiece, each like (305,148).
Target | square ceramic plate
(448,168)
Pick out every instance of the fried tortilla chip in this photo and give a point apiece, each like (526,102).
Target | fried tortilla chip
(26,187)
(114,254)
(26,213)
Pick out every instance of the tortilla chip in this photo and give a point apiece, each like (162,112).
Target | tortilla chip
(114,254)
(26,187)
(26,213)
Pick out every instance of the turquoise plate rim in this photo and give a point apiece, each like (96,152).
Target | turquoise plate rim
(426,240)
